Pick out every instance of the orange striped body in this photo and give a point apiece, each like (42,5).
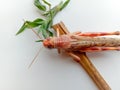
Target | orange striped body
(84,42)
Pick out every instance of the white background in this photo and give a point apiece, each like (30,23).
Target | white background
(52,71)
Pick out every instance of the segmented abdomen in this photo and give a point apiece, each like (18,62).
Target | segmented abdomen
(86,42)
(75,43)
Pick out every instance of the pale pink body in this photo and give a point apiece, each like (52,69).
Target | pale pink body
(84,42)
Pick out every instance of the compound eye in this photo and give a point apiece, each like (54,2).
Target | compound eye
(50,46)
(47,43)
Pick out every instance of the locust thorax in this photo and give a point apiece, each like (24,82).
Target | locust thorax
(57,42)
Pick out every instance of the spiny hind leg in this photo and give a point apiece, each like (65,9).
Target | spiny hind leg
(94,34)
(75,33)
(75,57)
(97,49)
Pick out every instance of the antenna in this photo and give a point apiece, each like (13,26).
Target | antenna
(38,50)
(34,58)
(33,30)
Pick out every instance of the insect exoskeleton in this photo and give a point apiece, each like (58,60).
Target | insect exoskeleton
(61,42)
(85,42)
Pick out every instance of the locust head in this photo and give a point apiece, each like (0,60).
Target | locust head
(48,43)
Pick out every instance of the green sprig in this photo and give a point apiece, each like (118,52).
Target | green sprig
(39,5)
(44,25)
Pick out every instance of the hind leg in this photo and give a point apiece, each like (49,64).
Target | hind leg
(98,49)
(94,34)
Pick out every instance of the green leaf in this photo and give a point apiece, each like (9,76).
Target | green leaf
(46,3)
(52,10)
(40,29)
(50,23)
(29,24)
(39,5)
(50,33)
(44,33)
(39,41)
(35,23)
(43,29)
(65,4)
(22,29)
(38,20)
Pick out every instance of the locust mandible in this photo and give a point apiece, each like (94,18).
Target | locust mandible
(84,42)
